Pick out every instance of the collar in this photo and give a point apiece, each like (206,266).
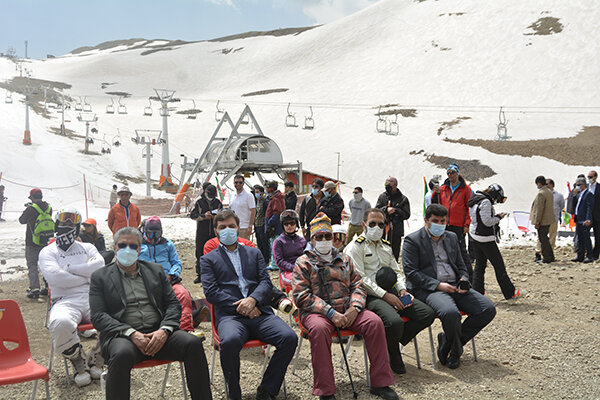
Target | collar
(125,274)
(431,237)
(237,248)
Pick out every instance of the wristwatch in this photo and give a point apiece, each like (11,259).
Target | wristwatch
(358,308)
(168,332)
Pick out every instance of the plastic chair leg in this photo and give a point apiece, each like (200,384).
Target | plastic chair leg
(433,358)
(297,355)
(47,384)
(51,361)
(474,350)
(67,372)
(183,385)
(212,364)
(368,376)
(164,384)
(417,352)
(33,390)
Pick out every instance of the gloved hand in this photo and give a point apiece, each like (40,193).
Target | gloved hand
(287,306)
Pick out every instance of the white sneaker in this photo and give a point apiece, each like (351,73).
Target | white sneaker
(96,372)
(95,361)
(82,376)
(83,379)
(88,334)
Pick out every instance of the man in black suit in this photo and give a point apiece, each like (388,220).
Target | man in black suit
(593,187)
(134,308)
(237,284)
(584,212)
(436,274)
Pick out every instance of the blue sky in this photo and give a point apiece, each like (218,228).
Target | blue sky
(59,26)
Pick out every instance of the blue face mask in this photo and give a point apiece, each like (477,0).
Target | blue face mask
(315,192)
(257,195)
(228,236)
(437,229)
(327,194)
(127,256)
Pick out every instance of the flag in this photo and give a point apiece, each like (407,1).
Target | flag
(219,190)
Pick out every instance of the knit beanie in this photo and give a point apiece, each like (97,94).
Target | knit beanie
(320,224)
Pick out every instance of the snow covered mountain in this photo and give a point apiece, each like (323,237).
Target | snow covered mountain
(441,69)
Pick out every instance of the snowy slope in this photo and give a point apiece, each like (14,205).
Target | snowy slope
(444,58)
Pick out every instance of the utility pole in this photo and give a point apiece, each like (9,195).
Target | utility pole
(26,49)
(148,137)
(62,124)
(87,118)
(339,164)
(165,97)
(27,135)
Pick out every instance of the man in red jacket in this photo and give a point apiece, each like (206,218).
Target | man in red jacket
(454,195)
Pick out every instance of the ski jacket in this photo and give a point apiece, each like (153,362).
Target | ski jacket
(308,210)
(483,218)
(163,253)
(291,199)
(456,203)
(120,216)
(286,249)
(333,207)
(99,242)
(398,201)
(276,205)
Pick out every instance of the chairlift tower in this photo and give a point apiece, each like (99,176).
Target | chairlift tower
(27,134)
(87,118)
(165,97)
(62,107)
(148,137)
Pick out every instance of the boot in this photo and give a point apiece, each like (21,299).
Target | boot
(82,376)
(95,361)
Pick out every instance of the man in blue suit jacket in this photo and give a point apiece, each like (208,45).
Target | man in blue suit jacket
(236,282)
(584,217)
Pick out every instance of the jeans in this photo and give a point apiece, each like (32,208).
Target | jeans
(485,251)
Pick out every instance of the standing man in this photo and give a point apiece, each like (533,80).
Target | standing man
(310,206)
(237,284)
(332,204)
(454,195)
(436,274)
(542,216)
(593,187)
(114,197)
(291,199)
(259,223)
(396,208)
(558,205)
(204,212)
(358,206)
(134,308)
(40,229)
(584,213)
(2,200)
(244,206)
(370,253)
(272,222)
(124,213)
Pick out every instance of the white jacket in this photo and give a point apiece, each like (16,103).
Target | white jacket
(488,217)
(68,272)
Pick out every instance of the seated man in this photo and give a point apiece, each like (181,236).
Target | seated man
(158,249)
(67,265)
(370,253)
(329,293)
(137,314)
(237,284)
(436,274)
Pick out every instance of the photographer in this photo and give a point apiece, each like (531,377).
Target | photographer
(484,232)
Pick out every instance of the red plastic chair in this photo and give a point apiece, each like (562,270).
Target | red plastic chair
(16,365)
(433,351)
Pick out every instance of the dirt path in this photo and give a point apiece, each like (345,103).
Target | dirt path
(543,346)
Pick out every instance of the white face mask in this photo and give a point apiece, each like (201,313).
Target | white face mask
(324,246)
(357,196)
(375,233)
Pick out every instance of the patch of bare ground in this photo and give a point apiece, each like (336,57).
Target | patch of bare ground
(128,178)
(471,170)
(392,110)
(545,26)
(119,94)
(35,86)
(264,92)
(69,133)
(449,124)
(582,149)
(543,346)
(275,32)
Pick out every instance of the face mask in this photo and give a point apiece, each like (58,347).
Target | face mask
(388,189)
(591,181)
(127,256)
(210,198)
(324,246)
(357,196)
(65,236)
(437,229)
(327,194)
(375,233)
(315,192)
(152,237)
(228,236)
(257,195)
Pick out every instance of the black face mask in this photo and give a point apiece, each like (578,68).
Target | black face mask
(389,189)
(66,236)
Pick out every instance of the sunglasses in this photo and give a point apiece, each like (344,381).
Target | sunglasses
(132,246)
(238,183)
(288,223)
(67,216)
(591,177)
(339,236)
(323,236)
(372,224)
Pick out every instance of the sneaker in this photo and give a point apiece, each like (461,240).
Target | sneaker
(33,294)
(538,257)
(82,375)
(95,361)
(89,333)
(44,292)
(386,393)
(516,295)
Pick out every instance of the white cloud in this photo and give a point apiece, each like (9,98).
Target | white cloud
(324,11)
(223,3)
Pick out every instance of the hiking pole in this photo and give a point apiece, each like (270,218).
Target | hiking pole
(339,335)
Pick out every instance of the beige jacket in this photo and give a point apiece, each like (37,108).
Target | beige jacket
(542,209)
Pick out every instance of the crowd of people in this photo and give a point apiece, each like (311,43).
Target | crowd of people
(338,278)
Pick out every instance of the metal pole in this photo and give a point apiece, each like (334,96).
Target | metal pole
(148,167)
(85,196)
(87,135)
(62,124)
(338,165)
(27,136)
(165,168)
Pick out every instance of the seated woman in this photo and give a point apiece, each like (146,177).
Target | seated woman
(160,250)
(89,234)
(288,247)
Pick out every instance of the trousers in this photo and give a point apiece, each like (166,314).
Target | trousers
(180,346)
(547,252)
(353,230)
(66,313)
(366,324)
(584,247)
(552,232)
(448,306)
(185,299)
(485,251)
(263,243)
(32,255)
(235,330)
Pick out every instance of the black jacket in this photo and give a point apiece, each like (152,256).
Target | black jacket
(308,210)
(398,201)
(98,243)
(203,205)
(29,217)
(291,199)
(333,207)
(107,300)
(596,212)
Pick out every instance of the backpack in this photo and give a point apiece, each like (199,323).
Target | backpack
(43,229)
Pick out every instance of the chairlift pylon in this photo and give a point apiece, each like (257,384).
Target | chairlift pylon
(219,113)
(381,125)
(79,105)
(148,109)
(246,119)
(8,99)
(122,109)
(290,119)
(87,107)
(192,115)
(110,108)
(393,129)
(309,122)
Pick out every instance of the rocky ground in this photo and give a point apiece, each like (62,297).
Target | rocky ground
(545,345)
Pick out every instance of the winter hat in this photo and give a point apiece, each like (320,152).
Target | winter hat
(124,189)
(337,228)
(320,224)
(453,167)
(35,193)
(386,279)
(153,224)
(210,190)
(90,221)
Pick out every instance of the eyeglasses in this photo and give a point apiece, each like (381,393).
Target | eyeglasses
(288,223)
(132,246)
(323,236)
(355,192)
(68,216)
(372,224)
(591,177)
(339,236)
(238,182)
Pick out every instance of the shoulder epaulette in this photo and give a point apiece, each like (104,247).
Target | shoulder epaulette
(360,239)
(385,242)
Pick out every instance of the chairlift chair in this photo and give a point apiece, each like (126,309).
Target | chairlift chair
(309,122)
(87,107)
(381,123)
(79,105)
(290,119)
(219,113)
(8,99)
(110,109)
(122,109)
(193,111)
(393,128)
(116,140)
(148,109)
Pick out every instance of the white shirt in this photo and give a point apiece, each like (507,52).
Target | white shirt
(592,187)
(242,204)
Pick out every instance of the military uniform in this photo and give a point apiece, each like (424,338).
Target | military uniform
(368,257)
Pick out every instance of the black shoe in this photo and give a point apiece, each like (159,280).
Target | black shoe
(453,362)
(588,260)
(397,364)
(385,392)
(330,397)
(197,280)
(200,315)
(538,257)
(262,394)
(577,259)
(44,292)
(547,261)
(33,294)
(442,350)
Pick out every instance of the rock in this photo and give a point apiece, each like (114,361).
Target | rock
(537,357)
(530,312)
